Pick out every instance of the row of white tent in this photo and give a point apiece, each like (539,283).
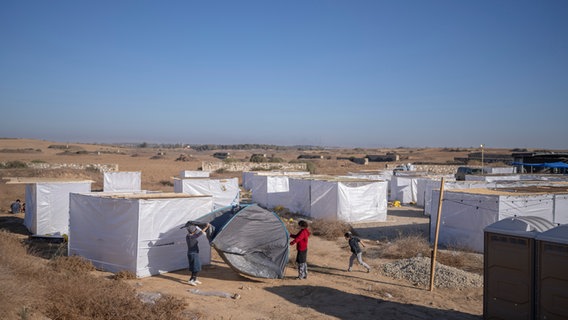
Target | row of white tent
(349,199)
(465,213)
(47,200)
(125,228)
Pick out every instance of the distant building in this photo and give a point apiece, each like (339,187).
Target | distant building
(222,155)
(487,158)
(310,156)
(389,157)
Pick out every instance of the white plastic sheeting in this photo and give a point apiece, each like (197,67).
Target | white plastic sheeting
(136,233)
(500,170)
(492,178)
(122,181)
(194,174)
(47,206)
(404,189)
(300,195)
(431,185)
(270,191)
(381,175)
(249,175)
(466,213)
(561,208)
(349,201)
(225,192)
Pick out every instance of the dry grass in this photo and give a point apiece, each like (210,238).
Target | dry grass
(73,264)
(63,288)
(404,247)
(124,275)
(328,229)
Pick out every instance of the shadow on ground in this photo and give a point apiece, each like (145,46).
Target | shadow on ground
(343,305)
(400,222)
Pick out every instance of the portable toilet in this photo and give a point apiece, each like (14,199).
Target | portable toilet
(509,267)
(552,274)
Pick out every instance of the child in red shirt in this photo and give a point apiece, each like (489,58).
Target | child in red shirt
(301,241)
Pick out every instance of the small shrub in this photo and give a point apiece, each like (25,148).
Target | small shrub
(259,169)
(465,260)
(38,161)
(124,275)
(92,169)
(74,264)
(279,210)
(404,247)
(329,229)
(258,158)
(13,165)
(167,183)
(221,170)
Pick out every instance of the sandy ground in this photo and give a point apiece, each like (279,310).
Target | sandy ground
(330,292)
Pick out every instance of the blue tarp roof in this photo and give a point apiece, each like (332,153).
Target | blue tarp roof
(543,165)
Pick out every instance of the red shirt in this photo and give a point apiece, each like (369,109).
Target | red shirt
(301,239)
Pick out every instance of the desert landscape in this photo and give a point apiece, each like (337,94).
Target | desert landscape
(329,292)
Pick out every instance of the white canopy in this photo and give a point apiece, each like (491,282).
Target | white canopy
(139,233)
(465,213)
(270,191)
(122,181)
(47,205)
(225,192)
(349,201)
(194,174)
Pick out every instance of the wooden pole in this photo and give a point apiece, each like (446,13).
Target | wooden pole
(435,250)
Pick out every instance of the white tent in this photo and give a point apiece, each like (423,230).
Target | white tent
(465,213)
(122,181)
(248,176)
(493,177)
(560,209)
(404,188)
(300,193)
(349,200)
(461,185)
(426,187)
(381,175)
(47,203)
(138,232)
(194,174)
(225,192)
(500,170)
(247,179)
(270,190)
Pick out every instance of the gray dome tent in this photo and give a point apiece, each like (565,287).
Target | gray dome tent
(250,239)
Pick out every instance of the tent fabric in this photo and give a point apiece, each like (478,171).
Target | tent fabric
(270,191)
(225,192)
(465,215)
(122,181)
(559,165)
(194,174)
(251,240)
(47,206)
(404,189)
(349,201)
(140,234)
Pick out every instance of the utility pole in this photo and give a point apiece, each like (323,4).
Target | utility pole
(482,172)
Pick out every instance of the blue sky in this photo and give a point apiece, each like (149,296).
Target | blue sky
(410,73)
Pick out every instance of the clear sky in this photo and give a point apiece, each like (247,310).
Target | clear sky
(397,73)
